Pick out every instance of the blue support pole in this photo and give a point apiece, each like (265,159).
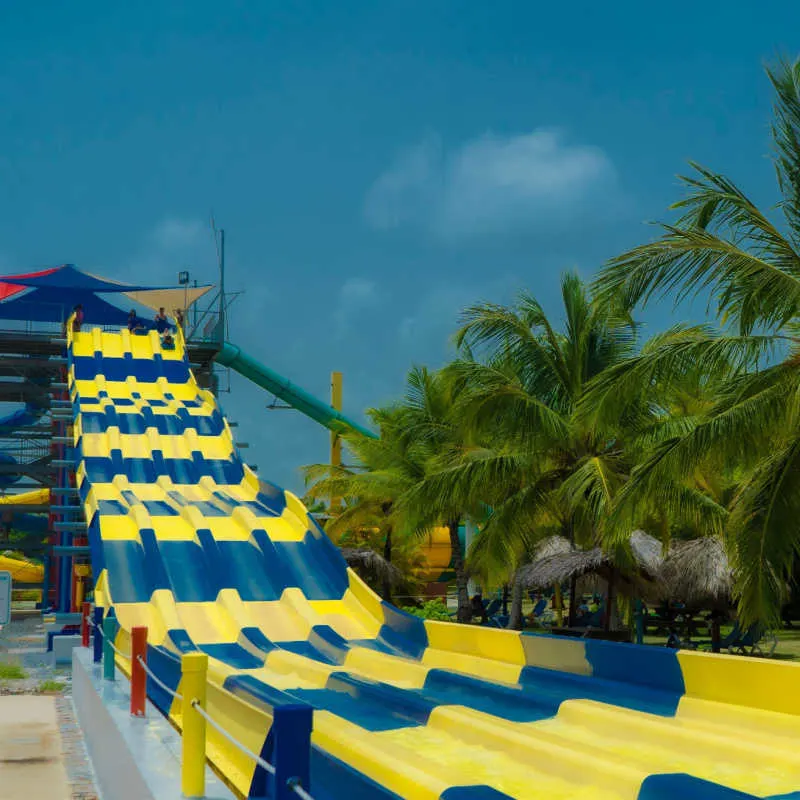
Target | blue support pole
(109,634)
(97,641)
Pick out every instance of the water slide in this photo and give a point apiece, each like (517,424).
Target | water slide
(21,418)
(234,357)
(22,570)
(436,550)
(186,540)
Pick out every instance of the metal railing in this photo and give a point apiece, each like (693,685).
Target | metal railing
(195,715)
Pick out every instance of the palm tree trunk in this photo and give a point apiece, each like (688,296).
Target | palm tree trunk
(573,582)
(387,554)
(609,602)
(558,602)
(464,613)
(515,622)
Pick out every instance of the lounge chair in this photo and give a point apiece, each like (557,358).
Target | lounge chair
(755,641)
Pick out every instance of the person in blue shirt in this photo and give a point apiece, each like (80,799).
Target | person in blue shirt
(134,323)
(162,323)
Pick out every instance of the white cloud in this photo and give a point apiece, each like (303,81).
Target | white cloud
(356,296)
(172,245)
(490,184)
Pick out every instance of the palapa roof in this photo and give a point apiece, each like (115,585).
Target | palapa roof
(556,564)
(698,571)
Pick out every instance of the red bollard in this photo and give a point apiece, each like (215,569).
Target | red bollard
(138,675)
(86,611)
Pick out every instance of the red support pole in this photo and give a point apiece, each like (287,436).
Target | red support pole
(138,675)
(85,612)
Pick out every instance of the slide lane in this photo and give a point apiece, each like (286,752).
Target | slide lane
(186,540)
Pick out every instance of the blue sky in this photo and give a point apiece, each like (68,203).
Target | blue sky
(377,166)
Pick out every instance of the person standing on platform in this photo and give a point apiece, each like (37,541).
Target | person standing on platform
(78,318)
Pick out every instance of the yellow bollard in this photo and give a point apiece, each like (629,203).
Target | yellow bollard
(194,667)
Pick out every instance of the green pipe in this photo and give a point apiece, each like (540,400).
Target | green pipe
(232,356)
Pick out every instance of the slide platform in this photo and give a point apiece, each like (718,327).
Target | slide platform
(187,541)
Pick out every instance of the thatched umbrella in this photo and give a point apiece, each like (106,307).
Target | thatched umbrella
(697,572)
(552,546)
(370,564)
(560,565)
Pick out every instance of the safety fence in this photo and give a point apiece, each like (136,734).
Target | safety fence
(290,732)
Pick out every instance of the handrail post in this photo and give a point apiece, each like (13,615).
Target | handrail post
(85,611)
(292,749)
(97,641)
(194,667)
(288,748)
(138,675)
(109,634)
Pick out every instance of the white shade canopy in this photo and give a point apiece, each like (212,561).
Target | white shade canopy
(181,297)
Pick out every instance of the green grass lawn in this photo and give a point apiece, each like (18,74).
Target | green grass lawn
(788,644)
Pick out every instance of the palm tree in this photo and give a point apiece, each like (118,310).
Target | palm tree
(747,262)
(432,432)
(533,466)
(677,391)
(377,491)
(385,468)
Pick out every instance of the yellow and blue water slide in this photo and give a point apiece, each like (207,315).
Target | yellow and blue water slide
(186,541)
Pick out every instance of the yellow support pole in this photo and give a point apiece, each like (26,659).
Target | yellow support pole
(336,441)
(194,669)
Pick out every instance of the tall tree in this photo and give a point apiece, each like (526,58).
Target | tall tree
(412,433)
(747,263)
(384,469)
(432,431)
(533,466)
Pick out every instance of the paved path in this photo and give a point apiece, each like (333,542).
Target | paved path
(68,774)
(31,762)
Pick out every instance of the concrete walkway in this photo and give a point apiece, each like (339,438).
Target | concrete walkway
(31,764)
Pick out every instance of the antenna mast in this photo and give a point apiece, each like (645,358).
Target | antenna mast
(222,323)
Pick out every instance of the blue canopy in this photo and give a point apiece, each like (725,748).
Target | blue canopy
(68,277)
(55,305)
(51,295)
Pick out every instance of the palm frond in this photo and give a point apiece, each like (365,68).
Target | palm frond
(752,287)
(495,399)
(509,533)
(513,334)
(785,79)
(665,363)
(591,487)
(765,535)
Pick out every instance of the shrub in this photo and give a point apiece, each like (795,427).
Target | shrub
(50,687)
(12,672)
(431,609)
